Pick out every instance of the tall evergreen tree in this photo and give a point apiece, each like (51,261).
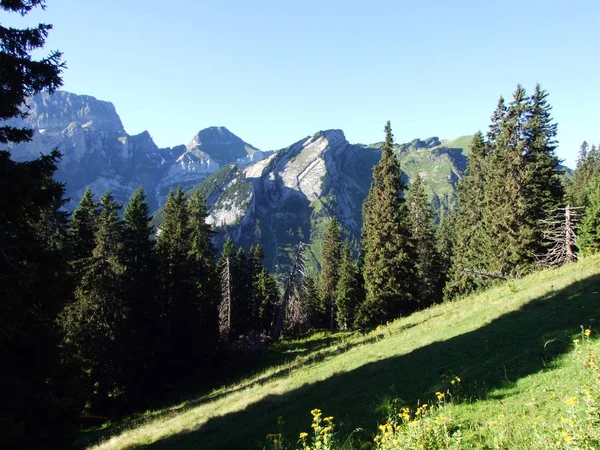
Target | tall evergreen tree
(586,172)
(201,257)
(388,268)
(504,201)
(95,322)
(422,233)
(176,290)
(349,291)
(82,229)
(467,254)
(330,262)
(544,188)
(137,256)
(589,240)
(35,399)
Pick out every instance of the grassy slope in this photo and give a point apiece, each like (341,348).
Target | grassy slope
(511,345)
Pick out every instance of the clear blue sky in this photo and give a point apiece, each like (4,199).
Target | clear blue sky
(274,72)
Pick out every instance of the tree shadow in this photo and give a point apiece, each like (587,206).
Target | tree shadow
(511,347)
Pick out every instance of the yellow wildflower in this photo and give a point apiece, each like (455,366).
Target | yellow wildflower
(571,400)
(303,435)
(587,332)
(576,341)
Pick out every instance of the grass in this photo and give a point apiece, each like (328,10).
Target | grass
(512,347)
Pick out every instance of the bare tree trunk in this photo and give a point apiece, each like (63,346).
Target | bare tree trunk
(225,305)
(297,268)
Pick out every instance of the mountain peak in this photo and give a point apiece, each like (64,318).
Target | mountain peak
(220,145)
(54,111)
(215,135)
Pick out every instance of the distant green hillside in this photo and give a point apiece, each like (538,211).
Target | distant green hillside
(513,366)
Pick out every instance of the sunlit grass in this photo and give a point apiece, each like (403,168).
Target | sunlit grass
(511,345)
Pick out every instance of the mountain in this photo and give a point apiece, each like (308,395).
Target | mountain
(277,198)
(291,195)
(99,153)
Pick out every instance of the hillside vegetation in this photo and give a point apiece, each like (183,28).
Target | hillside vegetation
(506,361)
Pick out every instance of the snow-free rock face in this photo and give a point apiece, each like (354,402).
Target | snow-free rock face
(98,152)
(275,198)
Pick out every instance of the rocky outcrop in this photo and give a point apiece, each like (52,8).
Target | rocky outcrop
(98,152)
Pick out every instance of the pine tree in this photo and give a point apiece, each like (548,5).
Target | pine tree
(467,254)
(36,401)
(349,291)
(177,293)
(265,292)
(422,234)
(445,238)
(589,240)
(82,227)
(201,257)
(95,322)
(544,188)
(332,249)
(504,200)
(388,256)
(586,172)
(137,256)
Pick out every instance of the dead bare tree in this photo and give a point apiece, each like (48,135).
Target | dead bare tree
(559,237)
(225,305)
(289,305)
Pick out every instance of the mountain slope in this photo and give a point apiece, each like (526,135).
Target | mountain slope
(99,153)
(511,346)
(290,196)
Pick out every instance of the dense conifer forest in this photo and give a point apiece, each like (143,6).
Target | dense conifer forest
(100,311)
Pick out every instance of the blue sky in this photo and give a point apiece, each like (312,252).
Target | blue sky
(274,72)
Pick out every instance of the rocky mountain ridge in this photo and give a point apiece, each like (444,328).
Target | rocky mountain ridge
(276,198)
(98,152)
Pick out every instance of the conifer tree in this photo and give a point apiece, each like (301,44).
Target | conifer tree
(586,172)
(176,291)
(137,256)
(445,238)
(544,188)
(589,239)
(467,254)
(349,291)
(332,249)
(422,235)
(388,256)
(95,322)
(201,256)
(37,412)
(267,299)
(82,227)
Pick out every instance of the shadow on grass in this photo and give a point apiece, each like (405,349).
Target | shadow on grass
(498,354)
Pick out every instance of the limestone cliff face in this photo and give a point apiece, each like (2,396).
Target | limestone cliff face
(98,152)
(276,198)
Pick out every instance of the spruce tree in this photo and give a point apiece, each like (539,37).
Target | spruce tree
(82,227)
(267,299)
(467,258)
(544,188)
(176,290)
(349,292)
(137,256)
(95,322)
(389,274)
(422,234)
(586,172)
(589,239)
(201,256)
(35,390)
(330,262)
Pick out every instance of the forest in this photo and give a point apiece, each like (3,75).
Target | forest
(100,311)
